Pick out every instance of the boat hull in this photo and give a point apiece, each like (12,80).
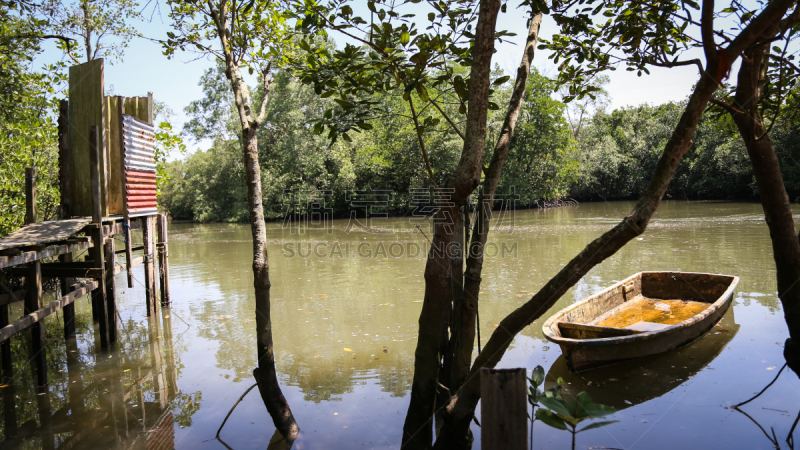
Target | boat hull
(585,354)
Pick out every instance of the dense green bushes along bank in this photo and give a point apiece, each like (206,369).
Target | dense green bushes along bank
(601,155)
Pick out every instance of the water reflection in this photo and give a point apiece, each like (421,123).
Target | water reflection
(124,398)
(633,382)
(345,331)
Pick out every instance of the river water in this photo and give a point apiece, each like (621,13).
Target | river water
(346,297)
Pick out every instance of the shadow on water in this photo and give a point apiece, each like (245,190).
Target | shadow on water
(124,398)
(630,383)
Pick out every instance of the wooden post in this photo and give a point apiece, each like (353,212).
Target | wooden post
(111,303)
(30,195)
(503,409)
(5,348)
(10,411)
(163,256)
(63,158)
(33,287)
(69,310)
(98,257)
(33,302)
(66,211)
(148,234)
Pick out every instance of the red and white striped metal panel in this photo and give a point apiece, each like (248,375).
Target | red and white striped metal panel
(138,146)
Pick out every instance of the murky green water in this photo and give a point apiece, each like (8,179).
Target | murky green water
(345,322)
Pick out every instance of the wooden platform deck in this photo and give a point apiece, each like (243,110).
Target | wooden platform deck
(38,243)
(42,233)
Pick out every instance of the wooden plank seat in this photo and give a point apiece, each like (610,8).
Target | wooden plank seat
(583,331)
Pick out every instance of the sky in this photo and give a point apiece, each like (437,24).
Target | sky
(175,81)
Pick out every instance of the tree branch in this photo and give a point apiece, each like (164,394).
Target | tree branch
(670,64)
(421,143)
(266,80)
(725,105)
(785,61)
(447,118)
(707,31)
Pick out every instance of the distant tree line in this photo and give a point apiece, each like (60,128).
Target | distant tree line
(581,151)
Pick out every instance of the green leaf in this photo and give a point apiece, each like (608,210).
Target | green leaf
(557,406)
(596,410)
(538,376)
(404,37)
(423,93)
(550,419)
(501,80)
(597,425)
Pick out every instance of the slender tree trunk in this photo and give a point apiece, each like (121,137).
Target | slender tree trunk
(465,314)
(767,171)
(265,374)
(462,406)
(418,429)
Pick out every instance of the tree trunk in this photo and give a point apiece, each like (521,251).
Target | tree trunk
(417,429)
(265,373)
(462,406)
(767,171)
(464,316)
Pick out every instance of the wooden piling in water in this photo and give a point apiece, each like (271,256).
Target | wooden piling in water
(503,409)
(111,302)
(149,263)
(33,287)
(5,348)
(99,261)
(66,211)
(163,257)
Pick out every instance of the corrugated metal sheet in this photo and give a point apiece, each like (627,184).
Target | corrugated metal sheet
(138,144)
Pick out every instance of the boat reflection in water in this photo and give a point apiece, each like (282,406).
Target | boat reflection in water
(123,398)
(636,381)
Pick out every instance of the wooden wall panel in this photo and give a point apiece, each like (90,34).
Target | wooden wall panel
(85,109)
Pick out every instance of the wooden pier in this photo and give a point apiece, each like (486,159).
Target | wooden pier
(107,181)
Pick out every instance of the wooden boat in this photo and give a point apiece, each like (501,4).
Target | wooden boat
(646,314)
(635,381)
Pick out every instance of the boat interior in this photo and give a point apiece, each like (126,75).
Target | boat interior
(648,301)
